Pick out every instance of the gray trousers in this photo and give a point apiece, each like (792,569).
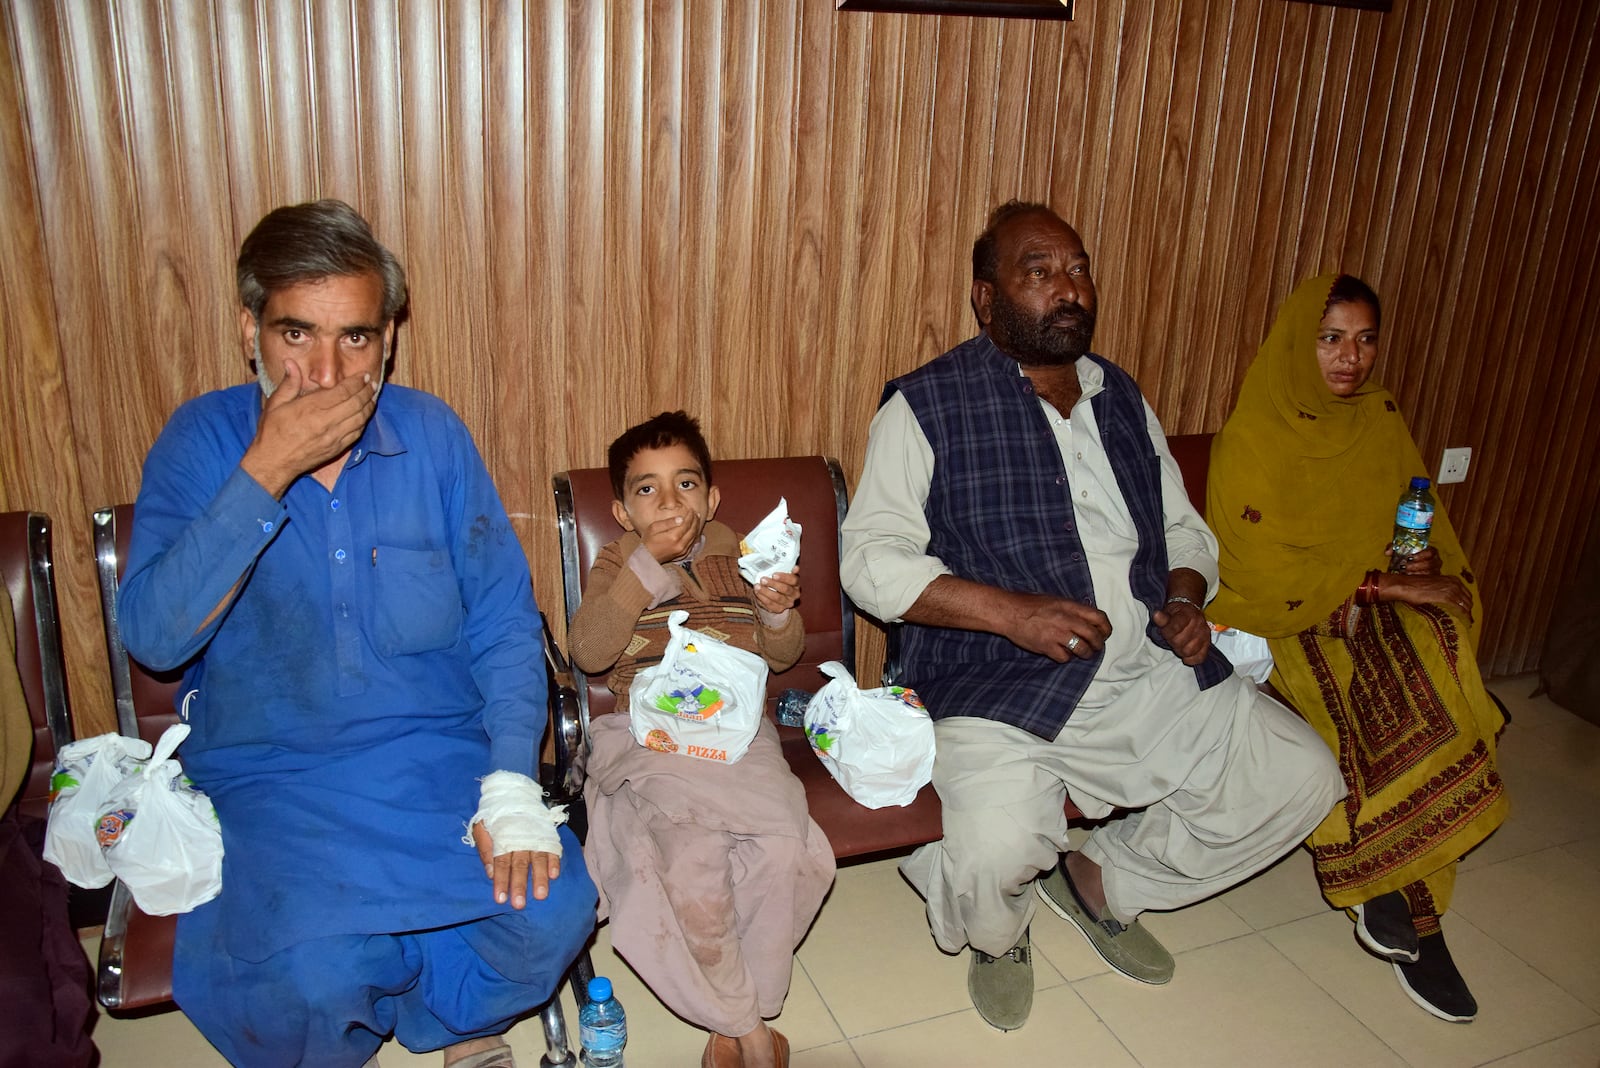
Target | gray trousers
(1219,784)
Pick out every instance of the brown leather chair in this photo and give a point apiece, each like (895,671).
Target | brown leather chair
(815,489)
(30,580)
(1193,453)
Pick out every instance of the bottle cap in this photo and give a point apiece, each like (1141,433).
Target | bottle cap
(599,988)
(1418,482)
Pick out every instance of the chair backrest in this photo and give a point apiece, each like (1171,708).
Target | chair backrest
(815,490)
(30,580)
(1193,453)
(145,700)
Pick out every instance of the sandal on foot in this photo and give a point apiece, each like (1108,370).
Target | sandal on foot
(722,1052)
(780,1048)
(497,1057)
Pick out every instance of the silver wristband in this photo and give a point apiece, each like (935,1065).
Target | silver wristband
(1185,600)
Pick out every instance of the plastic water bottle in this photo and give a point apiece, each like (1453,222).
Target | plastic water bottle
(602,1026)
(1413,521)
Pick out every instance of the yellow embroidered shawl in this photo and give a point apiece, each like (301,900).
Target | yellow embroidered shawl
(1303,484)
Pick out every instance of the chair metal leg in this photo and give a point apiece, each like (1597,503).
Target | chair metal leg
(578,975)
(559,1050)
(558,1046)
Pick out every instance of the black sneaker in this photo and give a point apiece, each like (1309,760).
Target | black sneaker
(1434,983)
(1384,926)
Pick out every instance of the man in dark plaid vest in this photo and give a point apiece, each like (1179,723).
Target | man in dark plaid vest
(1021,515)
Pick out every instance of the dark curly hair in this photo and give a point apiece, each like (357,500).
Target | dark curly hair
(660,432)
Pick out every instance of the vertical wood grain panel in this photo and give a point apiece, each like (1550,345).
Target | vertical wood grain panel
(336,59)
(808,306)
(44,476)
(762,209)
(661,200)
(731,377)
(506,224)
(691,387)
(621,350)
(784,399)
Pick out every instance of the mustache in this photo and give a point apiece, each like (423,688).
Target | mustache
(1069,315)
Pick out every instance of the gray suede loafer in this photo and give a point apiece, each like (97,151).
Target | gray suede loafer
(1001,987)
(1131,949)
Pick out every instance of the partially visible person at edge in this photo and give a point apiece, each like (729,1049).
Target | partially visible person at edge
(1020,511)
(329,562)
(1303,482)
(710,873)
(45,980)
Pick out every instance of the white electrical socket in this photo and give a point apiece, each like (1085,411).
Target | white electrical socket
(1453,465)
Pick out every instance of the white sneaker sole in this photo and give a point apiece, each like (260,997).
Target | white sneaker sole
(1378,948)
(1424,1004)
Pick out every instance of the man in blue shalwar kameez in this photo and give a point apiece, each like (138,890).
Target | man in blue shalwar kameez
(328,560)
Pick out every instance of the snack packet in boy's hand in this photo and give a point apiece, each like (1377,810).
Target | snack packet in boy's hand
(771,547)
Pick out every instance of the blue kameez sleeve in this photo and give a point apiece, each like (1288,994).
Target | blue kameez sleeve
(502,624)
(200,523)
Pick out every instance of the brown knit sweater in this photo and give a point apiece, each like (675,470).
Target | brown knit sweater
(616,628)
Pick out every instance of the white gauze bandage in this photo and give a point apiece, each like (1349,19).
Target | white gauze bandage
(511,808)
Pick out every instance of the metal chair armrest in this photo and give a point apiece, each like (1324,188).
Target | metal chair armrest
(572,748)
(566,724)
(109,974)
(891,655)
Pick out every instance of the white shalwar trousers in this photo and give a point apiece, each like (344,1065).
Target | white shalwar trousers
(1218,784)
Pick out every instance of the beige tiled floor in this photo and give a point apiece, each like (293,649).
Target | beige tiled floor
(1267,974)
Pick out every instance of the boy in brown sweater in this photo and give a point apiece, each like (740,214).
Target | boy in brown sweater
(711,873)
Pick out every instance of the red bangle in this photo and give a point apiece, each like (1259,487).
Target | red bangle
(1367,592)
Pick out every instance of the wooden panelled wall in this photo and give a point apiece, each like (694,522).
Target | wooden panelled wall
(761,209)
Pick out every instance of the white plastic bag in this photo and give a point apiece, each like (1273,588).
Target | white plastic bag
(160,835)
(1249,654)
(877,744)
(86,771)
(772,547)
(703,700)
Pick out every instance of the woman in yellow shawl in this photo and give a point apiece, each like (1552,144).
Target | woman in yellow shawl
(1303,483)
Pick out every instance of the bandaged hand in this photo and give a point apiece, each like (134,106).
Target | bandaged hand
(515,834)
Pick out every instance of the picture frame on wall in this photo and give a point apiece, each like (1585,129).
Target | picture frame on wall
(1052,10)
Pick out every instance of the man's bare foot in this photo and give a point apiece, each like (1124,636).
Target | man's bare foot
(1085,876)
(463,1051)
(756,1047)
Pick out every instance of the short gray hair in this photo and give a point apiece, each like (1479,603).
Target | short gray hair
(309,242)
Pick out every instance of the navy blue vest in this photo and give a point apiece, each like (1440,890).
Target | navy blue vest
(1000,513)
